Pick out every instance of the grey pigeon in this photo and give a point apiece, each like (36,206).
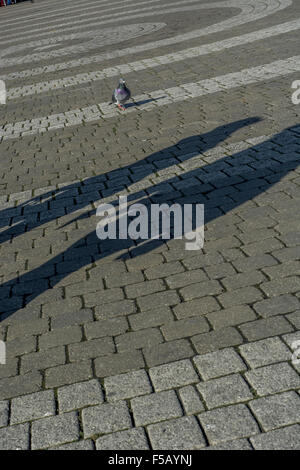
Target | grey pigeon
(121,94)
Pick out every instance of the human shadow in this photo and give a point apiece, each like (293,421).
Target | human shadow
(221,185)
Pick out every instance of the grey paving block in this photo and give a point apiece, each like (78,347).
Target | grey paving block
(155,407)
(4,413)
(177,434)
(277,305)
(105,418)
(231,316)
(20,385)
(173,375)
(128,385)
(31,407)
(118,363)
(145,320)
(218,363)
(43,360)
(79,395)
(237,444)
(228,423)
(133,439)
(224,391)
(101,328)
(87,444)
(265,328)
(277,410)
(184,328)
(217,339)
(54,430)
(279,439)
(190,400)
(196,307)
(15,437)
(149,337)
(68,374)
(273,378)
(91,349)
(168,352)
(264,352)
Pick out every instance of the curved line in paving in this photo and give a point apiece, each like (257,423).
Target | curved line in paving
(251,11)
(38,15)
(87,78)
(151,100)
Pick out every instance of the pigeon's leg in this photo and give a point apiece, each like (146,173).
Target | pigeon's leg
(120,106)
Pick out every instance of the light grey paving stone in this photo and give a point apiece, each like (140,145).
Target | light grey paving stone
(190,400)
(175,374)
(291,338)
(55,430)
(15,437)
(31,407)
(237,444)
(106,418)
(87,444)
(277,410)
(274,378)
(228,423)
(133,439)
(4,410)
(264,352)
(79,395)
(128,385)
(155,407)
(280,439)
(294,318)
(224,391)
(177,434)
(219,363)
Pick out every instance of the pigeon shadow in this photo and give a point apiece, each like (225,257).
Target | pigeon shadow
(140,103)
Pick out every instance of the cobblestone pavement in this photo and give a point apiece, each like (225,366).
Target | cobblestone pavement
(127,345)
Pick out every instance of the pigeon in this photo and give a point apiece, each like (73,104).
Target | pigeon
(121,94)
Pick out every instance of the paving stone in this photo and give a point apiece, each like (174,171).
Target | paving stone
(196,307)
(250,278)
(4,413)
(277,410)
(219,363)
(264,328)
(68,374)
(133,439)
(20,346)
(87,444)
(115,309)
(177,434)
(105,418)
(155,407)
(294,318)
(36,327)
(163,270)
(277,305)
(279,439)
(76,396)
(10,368)
(264,352)
(147,338)
(20,385)
(31,407)
(159,299)
(228,423)
(128,385)
(55,430)
(245,295)
(281,286)
(183,328)
(186,278)
(43,360)
(80,317)
(190,400)
(168,352)
(173,375)
(201,289)
(101,328)
(15,437)
(224,391)
(148,319)
(218,339)
(273,378)
(62,306)
(91,349)
(237,444)
(231,316)
(144,288)
(68,335)
(118,363)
